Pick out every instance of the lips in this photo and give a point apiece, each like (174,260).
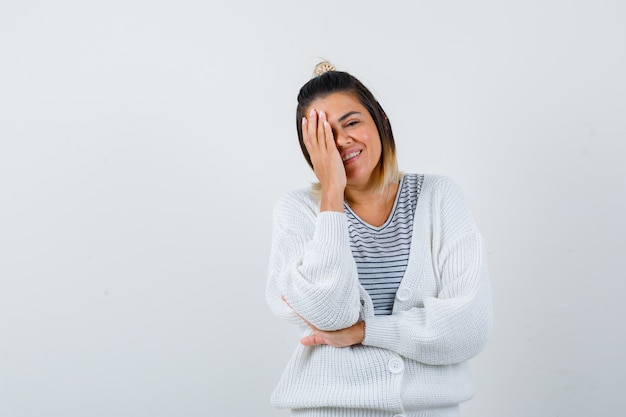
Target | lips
(350,155)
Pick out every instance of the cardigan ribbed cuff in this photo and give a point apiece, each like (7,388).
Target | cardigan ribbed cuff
(332,228)
(450,411)
(383,332)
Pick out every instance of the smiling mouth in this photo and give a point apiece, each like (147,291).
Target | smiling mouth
(350,155)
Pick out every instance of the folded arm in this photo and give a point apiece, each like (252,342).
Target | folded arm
(312,274)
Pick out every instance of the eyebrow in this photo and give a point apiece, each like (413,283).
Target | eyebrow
(345,116)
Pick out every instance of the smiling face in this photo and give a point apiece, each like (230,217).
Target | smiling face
(356,137)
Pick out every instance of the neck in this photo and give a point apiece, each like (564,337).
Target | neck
(356,196)
(372,206)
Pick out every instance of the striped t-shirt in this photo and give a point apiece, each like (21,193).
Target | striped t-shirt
(382,253)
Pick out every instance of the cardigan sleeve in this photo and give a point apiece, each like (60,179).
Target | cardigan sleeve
(455,325)
(311,266)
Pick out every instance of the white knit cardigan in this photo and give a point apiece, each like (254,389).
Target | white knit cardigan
(411,361)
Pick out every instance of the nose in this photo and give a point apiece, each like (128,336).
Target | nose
(342,140)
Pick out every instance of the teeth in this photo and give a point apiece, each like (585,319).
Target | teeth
(350,155)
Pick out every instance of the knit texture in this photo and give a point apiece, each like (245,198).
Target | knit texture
(414,359)
(452,411)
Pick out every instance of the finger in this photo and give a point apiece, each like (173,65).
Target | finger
(328,134)
(310,141)
(321,131)
(312,127)
(286,302)
(305,133)
(312,340)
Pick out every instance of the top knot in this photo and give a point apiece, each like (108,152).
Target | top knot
(322,68)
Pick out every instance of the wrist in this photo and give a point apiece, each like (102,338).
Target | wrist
(361,331)
(331,201)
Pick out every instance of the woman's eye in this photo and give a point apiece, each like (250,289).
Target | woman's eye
(352,123)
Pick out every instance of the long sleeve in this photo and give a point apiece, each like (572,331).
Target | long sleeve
(311,266)
(411,362)
(454,324)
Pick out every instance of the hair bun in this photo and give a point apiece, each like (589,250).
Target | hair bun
(322,68)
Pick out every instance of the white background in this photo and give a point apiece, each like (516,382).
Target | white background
(143,144)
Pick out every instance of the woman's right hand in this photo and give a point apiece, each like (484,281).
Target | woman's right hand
(319,140)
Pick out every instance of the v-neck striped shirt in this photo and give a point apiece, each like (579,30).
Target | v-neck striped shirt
(382,253)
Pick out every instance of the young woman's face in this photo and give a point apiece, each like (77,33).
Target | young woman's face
(356,136)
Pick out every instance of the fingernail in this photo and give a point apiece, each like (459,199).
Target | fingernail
(312,112)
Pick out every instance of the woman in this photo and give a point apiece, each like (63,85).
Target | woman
(384,272)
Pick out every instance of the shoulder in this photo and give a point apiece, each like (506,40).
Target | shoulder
(442,193)
(296,209)
(302,198)
(447,204)
(439,181)
(436,185)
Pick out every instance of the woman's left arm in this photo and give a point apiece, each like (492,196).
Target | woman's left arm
(456,324)
(450,328)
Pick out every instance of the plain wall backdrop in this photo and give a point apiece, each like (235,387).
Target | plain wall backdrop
(144,143)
